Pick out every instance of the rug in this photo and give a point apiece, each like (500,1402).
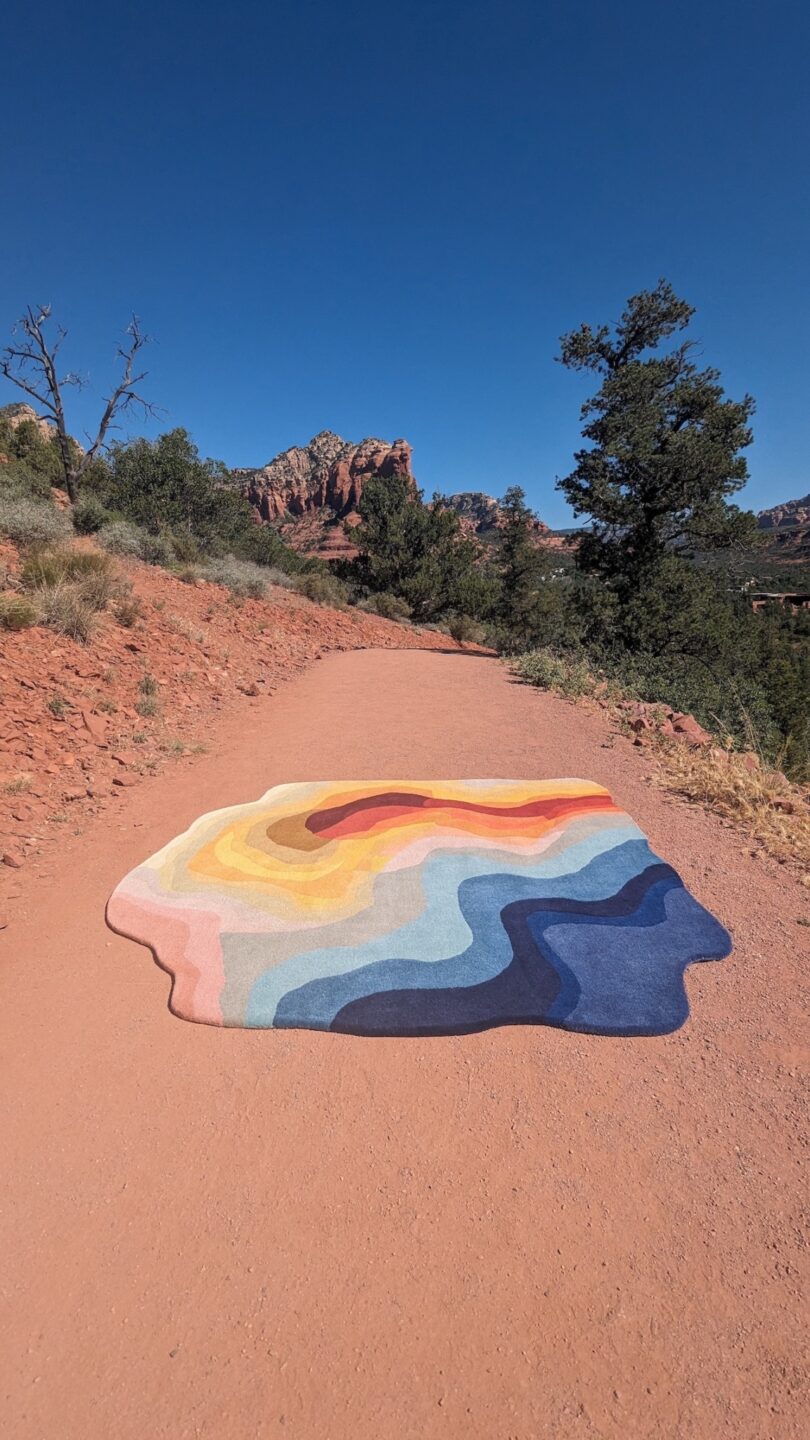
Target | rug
(409,908)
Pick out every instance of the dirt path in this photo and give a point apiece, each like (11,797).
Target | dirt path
(522,1233)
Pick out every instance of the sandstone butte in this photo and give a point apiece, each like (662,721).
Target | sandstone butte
(788,514)
(326,474)
(71,734)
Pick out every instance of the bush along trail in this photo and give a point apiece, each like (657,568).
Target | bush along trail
(689,760)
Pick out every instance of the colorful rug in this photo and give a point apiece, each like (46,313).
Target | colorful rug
(381,908)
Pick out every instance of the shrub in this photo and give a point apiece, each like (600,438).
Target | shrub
(241,577)
(39,455)
(31,522)
(186,548)
(322,588)
(274,576)
(264,546)
(17,613)
(166,484)
(89,515)
(417,551)
(122,538)
(19,480)
(500,638)
(189,574)
(165,489)
(157,549)
(733,704)
(465,630)
(567,674)
(387,605)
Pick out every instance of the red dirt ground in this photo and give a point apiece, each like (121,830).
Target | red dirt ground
(522,1233)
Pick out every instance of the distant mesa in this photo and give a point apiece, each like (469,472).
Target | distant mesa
(786,528)
(789,513)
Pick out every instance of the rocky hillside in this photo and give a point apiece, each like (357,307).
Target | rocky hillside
(18,413)
(786,515)
(785,562)
(81,722)
(481,515)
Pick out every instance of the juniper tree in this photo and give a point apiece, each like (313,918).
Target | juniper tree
(665,454)
(532,604)
(418,551)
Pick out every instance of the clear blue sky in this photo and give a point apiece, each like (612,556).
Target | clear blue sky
(378,218)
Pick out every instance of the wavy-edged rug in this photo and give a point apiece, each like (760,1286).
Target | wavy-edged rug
(421,908)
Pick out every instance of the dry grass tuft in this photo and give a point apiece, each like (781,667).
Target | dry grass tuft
(67,609)
(775,812)
(19,784)
(17,613)
(466,631)
(70,587)
(51,565)
(127,611)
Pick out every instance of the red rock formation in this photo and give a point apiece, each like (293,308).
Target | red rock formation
(326,475)
(789,513)
(319,533)
(18,413)
(481,515)
(787,527)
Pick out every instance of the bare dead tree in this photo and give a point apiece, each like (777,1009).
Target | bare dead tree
(30,363)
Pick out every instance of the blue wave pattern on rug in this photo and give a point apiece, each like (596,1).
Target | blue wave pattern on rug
(422,909)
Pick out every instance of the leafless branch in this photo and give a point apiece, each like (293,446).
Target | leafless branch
(30,364)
